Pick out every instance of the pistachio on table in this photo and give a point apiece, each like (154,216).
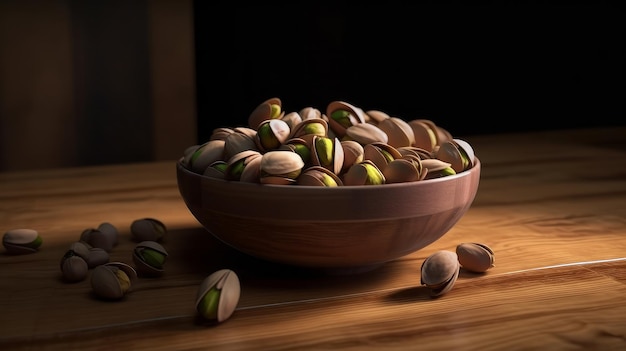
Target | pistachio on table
(97,256)
(149,258)
(147,229)
(21,241)
(98,238)
(475,257)
(73,267)
(112,280)
(439,272)
(218,295)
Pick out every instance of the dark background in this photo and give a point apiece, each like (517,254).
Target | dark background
(470,67)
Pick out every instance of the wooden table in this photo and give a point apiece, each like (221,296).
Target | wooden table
(552,205)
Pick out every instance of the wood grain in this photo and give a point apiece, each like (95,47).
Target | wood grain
(548,205)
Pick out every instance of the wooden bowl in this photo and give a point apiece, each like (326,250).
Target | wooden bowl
(346,227)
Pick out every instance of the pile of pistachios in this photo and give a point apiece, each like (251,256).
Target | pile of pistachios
(344,145)
(440,270)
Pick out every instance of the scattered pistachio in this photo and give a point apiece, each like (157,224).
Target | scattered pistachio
(97,256)
(218,295)
(73,267)
(112,280)
(439,272)
(475,257)
(149,258)
(98,238)
(21,241)
(110,231)
(147,229)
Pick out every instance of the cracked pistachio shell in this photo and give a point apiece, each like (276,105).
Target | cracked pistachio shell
(398,131)
(328,153)
(112,280)
(73,267)
(425,134)
(149,258)
(342,115)
(236,165)
(206,154)
(280,167)
(292,119)
(439,272)
(98,238)
(241,139)
(310,113)
(218,295)
(314,126)
(366,133)
(319,176)
(403,170)
(375,116)
(301,146)
(21,241)
(475,257)
(216,170)
(458,153)
(364,173)
(147,229)
(81,248)
(436,168)
(271,134)
(268,109)
(97,256)
(220,133)
(352,153)
(381,154)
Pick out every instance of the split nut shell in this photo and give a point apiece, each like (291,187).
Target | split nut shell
(440,271)
(21,241)
(149,258)
(218,295)
(475,257)
(147,229)
(112,280)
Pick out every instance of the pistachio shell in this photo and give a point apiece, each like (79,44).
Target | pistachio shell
(97,256)
(268,109)
(238,142)
(475,257)
(224,289)
(147,229)
(328,153)
(439,272)
(352,153)
(425,134)
(271,134)
(315,126)
(292,119)
(364,173)
(399,132)
(21,241)
(282,164)
(353,116)
(73,267)
(110,231)
(380,153)
(236,165)
(81,248)
(112,280)
(403,170)
(97,238)
(216,170)
(149,258)
(310,113)
(366,133)
(206,154)
(220,133)
(449,152)
(318,176)
(375,116)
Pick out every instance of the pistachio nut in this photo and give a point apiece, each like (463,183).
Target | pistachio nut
(97,256)
(21,241)
(439,272)
(280,167)
(149,258)
(97,238)
(81,248)
(147,229)
(216,170)
(268,109)
(475,257)
(110,231)
(364,173)
(271,134)
(218,295)
(73,267)
(319,176)
(205,154)
(112,280)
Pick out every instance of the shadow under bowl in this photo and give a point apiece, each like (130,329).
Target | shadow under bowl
(332,228)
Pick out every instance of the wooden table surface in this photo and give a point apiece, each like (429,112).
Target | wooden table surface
(552,206)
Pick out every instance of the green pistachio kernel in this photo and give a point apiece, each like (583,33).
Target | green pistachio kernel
(447,171)
(235,170)
(123,278)
(267,137)
(275,111)
(315,128)
(153,258)
(342,117)
(324,149)
(208,306)
(374,177)
(387,155)
(328,180)
(303,151)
